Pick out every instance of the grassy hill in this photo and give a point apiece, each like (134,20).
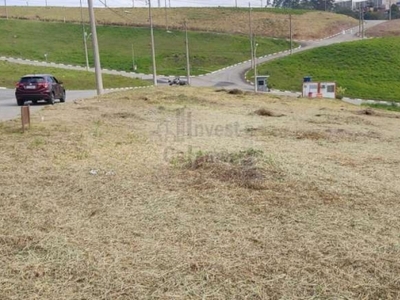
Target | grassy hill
(306,25)
(120,46)
(73,80)
(266,198)
(368,69)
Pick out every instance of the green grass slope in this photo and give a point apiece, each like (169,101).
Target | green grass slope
(267,22)
(73,80)
(368,69)
(63,43)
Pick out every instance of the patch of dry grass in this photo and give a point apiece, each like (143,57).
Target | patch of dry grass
(310,25)
(389,28)
(148,194)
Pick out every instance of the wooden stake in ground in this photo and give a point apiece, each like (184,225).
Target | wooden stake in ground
(25,117)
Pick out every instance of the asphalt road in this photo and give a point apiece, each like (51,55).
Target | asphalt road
(231,77)
(10,110)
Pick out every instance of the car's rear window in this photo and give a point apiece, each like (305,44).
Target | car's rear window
(32,79)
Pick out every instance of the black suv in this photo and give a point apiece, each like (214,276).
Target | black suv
(39,87)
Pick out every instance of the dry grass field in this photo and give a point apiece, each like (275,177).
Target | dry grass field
(390,28)
(310,25)
(185,193)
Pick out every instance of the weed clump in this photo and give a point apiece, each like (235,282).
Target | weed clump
(247,168)
(267,113)
(235,92)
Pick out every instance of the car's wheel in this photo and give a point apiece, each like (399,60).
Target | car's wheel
(20,102)
(51,99)
(34,102)
(63,96)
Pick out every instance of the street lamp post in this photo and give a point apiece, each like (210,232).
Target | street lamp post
(291,33)
(97,64)
(187,56)
(153,52)
(251,38)
(85,38)
(255,67)
(133,59)
(5,7)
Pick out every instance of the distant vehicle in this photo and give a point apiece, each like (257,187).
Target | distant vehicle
(39,87)
(177,81)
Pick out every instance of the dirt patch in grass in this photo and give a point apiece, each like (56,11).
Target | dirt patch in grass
(248,168)
(235,92)
(266,113)
(199,200)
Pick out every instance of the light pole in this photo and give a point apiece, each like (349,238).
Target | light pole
(255,67)
(153,52)
(97,66)
(85,38)
(251,38)
(133,59)
(5,7)
(166,15)
(291,33)
(187,56)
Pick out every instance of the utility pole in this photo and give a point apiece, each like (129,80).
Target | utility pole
(153,52)
(166,16)
(5,6)
(362,22)
(251,38)
(133,3)
(255,67)
(133,59)
(359,20)
(159,3)
(291,33)
(187,56)
(84,39)
(97,66)
(261,3)
(236,3)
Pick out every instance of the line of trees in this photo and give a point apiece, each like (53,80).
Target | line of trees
(327,5)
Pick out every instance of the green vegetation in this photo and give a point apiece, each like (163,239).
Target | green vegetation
(120,47)
(74,80)
(367,69)
(392,107)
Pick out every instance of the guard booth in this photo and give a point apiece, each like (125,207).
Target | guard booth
(318,89)
(262,83)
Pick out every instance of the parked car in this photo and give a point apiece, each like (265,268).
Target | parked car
(39,87)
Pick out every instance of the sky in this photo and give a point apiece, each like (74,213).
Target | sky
(136,3)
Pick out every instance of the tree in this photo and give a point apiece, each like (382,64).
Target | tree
(326,5)
(394,12)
